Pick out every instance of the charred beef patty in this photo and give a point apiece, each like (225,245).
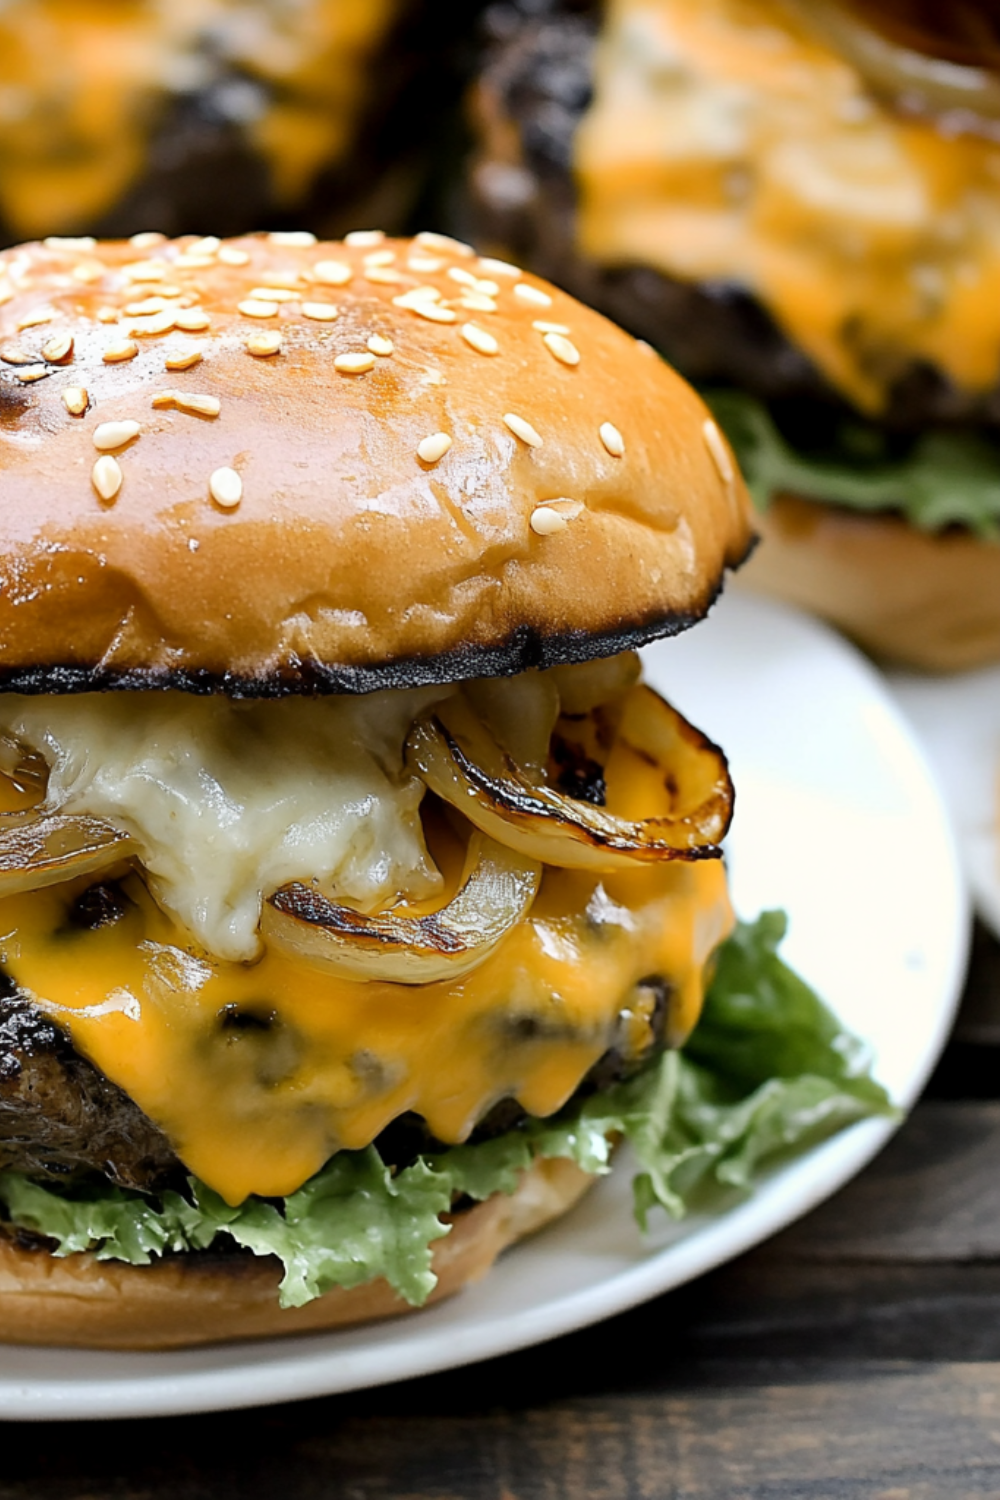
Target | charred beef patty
(534,89)
(62,1120)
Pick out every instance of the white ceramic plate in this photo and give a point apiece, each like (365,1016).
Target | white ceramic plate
(838,821)
(958,722)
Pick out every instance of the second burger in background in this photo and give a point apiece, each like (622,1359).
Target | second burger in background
(800,206)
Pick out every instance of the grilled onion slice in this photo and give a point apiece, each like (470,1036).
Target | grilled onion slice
(463,765)
(39,850)
(498,886)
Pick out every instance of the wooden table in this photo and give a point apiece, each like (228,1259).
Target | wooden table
(854,1357)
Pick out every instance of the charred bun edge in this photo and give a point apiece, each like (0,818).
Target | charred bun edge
(202,1297)
(528,646)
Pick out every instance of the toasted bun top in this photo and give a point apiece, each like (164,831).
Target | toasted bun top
(280,522)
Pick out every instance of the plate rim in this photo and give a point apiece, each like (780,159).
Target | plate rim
(808,1180)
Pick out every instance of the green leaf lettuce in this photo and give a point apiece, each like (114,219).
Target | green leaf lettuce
(768,1070)
(935,479)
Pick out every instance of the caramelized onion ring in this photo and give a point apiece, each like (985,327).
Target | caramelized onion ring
(36,851)
(463,765)
(498,887)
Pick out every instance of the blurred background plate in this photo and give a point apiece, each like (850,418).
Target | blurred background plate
(838,821)
(958,722)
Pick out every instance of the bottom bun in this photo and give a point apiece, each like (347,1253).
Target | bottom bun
(930,601)
(201,1298)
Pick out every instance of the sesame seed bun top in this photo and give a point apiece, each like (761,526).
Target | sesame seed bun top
(272,464)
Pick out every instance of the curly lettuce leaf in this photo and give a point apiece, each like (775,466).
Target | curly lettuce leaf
(939,479)
(768,1070)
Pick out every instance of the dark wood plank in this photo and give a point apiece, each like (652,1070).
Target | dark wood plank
(757,1432)
(932,1195)
(979,1017)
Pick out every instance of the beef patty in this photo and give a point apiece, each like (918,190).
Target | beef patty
(61,1119)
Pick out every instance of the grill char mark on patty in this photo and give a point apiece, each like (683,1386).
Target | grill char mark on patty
(60,1118)
(536,85)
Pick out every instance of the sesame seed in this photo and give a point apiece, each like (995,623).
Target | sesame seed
(354,364)
(253,308)
(183,361)
(553,516)
(75,400)
(532,294)
(146,308)
(146,270)
(64,242)
(431,449)
(226,488)
(645,348)
(546,522)
(476,302)
(209,245)
(192,320)
(106,477)
(564,351)
(117,353)
(463,277)
(26,374)
(88,270)
(202,406)
(6,293)
(332,272)
(262,345)
(107,315)
(425,308)
(146,239)
(187,262)
(380,345)
(114,434)
(498,267)
(382,276)
(360,238)
(35,319)
(522,429)
(13,354)
(479,339)
(231,256)
(158,323)
(487,288)
(417,295)
(320,312)
(58,348)
(542,327)
(293,239)
(380,258)
(431,241)
(612,439)
(424,265)
(274,294)
(720,453)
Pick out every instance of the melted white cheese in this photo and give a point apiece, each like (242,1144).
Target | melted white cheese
(228,801)
(231,800)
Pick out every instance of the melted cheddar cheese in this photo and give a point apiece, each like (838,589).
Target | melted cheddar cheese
(728,141)
(84,87)
(258,1073)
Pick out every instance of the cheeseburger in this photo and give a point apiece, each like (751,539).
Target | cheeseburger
(354,890)
(799,204)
